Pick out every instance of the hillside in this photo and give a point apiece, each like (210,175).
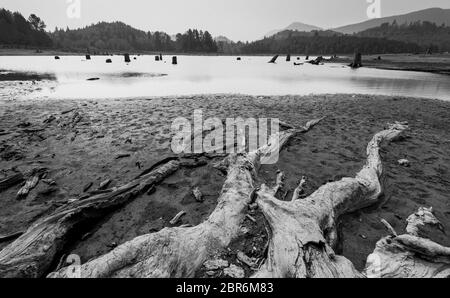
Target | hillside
(118,36)
(426,34)
(297,26)
(433,15)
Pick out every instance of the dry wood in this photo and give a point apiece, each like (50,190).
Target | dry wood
(411,255)
(11,181)
(303,232)
(32,254)
(180,252)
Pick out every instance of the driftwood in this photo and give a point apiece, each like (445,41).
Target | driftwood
(32,254)
(411,254)
(180,252)
(11,181)
(29,185)
(303,232)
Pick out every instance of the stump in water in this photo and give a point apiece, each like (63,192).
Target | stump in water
(156,58)
(160,57)
(288,58)
(274,59)
(57,58)
(357,61)
(307,57)
(88,57)
(127,58)
(238,58)
(174,60)
(108,61)
(316,61)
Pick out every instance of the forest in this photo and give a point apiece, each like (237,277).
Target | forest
(16,31)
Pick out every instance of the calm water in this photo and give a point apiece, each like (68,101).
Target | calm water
(145,77)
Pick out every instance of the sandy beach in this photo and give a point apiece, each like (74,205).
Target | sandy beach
(94,140)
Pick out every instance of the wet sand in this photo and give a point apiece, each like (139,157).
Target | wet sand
(83,143)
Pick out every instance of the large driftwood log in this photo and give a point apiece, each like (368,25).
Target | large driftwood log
(303,232)
(32,254)
(411,254)
(180,252)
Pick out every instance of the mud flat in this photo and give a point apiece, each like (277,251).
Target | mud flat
(81,144)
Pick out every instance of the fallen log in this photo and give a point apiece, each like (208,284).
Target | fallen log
(303,232)
(31,255)
(180,252)
(411,255)
(11,181)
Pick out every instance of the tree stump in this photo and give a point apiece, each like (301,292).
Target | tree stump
(357,61)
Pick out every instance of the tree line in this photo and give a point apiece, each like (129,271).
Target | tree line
(15,30)
(103,37)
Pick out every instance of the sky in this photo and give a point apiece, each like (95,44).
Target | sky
(237,19)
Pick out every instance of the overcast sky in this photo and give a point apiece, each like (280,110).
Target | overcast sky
(236,19)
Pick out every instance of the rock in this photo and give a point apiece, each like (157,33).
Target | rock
(234,271)
(216,264)
(404,162)
(197,194)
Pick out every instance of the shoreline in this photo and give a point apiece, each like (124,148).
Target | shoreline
(82,144)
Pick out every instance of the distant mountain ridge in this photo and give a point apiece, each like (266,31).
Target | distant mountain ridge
(296,26)
(433,15)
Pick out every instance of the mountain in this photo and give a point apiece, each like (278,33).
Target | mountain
(434,15)
(222,38)
(297,26)
(430,36)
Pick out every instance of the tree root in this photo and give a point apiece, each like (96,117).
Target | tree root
(180,252)
(303,231)
(410,255)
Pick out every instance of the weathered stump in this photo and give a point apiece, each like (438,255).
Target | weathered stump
(127,58)
(357,61)
(174,60)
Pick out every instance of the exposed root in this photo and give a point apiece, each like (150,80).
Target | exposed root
(304,231)
(180,252)
(410,255)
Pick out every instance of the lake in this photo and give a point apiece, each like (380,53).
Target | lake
(145,77)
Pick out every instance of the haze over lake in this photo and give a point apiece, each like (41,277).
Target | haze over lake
(145,77)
